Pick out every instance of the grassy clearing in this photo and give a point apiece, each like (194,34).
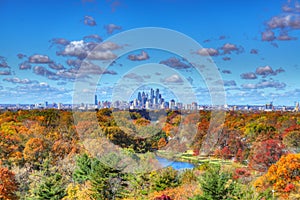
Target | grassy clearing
(189,157)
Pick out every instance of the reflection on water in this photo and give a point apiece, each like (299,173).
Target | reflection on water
(177,165)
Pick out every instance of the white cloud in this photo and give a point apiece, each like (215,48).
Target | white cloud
(208,52)
(173,79)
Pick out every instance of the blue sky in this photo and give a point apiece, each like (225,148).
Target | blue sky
(253,44)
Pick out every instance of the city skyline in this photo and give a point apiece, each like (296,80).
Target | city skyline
(148,100)
(253,45)
(151,99)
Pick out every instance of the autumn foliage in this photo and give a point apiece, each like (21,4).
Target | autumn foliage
(283,177)
(34,150)
(8,184)
(241,173)
(265,154)
(163,197)
(35,145)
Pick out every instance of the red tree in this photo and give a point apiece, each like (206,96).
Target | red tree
(266,153)
(163,197)
(239,156)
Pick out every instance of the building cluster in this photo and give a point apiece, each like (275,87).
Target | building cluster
(153,100)
(36,106)
(150,101)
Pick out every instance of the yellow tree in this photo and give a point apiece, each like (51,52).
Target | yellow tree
(78,191)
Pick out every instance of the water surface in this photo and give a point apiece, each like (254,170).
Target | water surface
(177,165)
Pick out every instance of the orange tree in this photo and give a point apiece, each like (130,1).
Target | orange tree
(283,177)
(12,137)
(8,184)
(35,151)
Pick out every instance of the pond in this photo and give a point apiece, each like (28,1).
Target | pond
(177,165)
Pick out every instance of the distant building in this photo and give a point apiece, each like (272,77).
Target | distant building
(269,107)
(106,104)
(165,105)
(296,109)
(284,108)
(179,105)
(172,104)
(147,106)
(96,100)
(135,102)
(188,106)
(139,96)
(194,106)
(116,104)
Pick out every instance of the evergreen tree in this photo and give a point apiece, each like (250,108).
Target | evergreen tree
(51,188)
(48,184)
(165,178)
(83,168)
(216,185)
(107,183)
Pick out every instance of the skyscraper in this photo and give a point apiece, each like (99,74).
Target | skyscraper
(96,100)
(151,95)
(151,100)
(156,95)
(143,98)
(139,97)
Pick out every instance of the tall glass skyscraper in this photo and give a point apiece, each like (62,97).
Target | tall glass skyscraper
(96,100)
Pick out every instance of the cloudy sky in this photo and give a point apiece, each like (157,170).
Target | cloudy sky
(49,46)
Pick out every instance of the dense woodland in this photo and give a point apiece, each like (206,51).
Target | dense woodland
(110,154)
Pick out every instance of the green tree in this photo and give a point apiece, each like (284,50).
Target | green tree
(107,183)
(216,184)
(165,178)
(83,168)
(46,183)
(139,184)
(52,188)
(259,131)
